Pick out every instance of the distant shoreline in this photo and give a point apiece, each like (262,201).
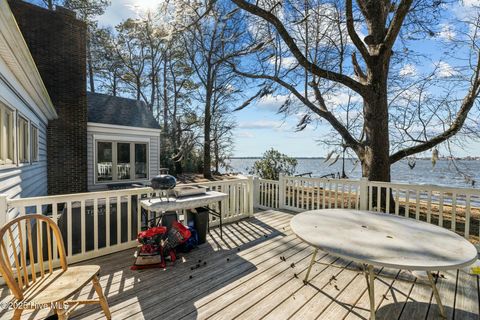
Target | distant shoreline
(322,158)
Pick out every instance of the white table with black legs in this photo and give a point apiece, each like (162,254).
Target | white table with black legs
(383,240)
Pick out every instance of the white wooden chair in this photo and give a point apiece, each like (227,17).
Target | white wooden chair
(35,283)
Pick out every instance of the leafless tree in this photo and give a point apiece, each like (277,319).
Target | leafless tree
(313,51)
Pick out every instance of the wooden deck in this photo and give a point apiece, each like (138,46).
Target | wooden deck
(245,277)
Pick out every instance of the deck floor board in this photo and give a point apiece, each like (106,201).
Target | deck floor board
(246,278)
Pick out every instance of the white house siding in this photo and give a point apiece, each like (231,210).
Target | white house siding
(23,180)
(97,131)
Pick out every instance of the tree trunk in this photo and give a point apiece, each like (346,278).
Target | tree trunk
(207,155)
(376,153)
(375,157)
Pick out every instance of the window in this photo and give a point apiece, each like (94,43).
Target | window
(140,161)
(34,132)
(104,161)
(23,141)
(121,161)
(6,135)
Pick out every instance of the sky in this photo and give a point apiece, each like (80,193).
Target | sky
(259,125)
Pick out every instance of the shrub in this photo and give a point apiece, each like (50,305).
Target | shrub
(272,164)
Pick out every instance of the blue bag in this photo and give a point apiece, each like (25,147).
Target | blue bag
(191,243)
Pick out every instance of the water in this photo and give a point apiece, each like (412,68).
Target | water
(444,172)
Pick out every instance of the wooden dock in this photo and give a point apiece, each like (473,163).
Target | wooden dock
(256,272)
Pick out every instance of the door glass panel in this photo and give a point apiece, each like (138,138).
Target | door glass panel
(140,161)
(104,161)
(123,161)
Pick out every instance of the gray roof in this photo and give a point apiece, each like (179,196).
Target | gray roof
(103,108)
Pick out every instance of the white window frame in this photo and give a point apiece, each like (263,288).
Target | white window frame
(8,138)
(115,157)
(21,143)
(34,142)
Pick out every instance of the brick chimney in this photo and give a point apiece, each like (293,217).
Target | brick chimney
(57,41)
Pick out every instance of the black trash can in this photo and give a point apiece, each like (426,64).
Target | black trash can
(200,223)
(168,218)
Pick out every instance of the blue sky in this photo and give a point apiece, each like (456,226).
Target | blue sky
(259,126)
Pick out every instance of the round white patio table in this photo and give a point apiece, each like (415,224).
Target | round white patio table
(385,240)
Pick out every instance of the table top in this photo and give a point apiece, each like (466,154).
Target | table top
(383,239)
(188,202)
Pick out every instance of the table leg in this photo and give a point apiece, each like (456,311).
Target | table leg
(370,277)
(436,294)
(310,266)
(220,210)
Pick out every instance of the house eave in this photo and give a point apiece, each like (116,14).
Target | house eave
(14,51)
(112,128)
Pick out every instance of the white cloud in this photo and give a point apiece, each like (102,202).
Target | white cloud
(245,134)
(471,3)
(287,62)
(260,124)
(271,102)
(445,70)
(408,70)
(341,98)
(447,32)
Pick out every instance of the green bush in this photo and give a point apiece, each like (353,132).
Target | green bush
(272,164)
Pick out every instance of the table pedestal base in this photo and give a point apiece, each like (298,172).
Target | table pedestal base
(370,278)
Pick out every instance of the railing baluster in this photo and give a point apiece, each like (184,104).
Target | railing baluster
(129,218)
(370,197)
(336,195)
(397,201)
(69,229)
(119,220)
(379,198)
(407,203)
(387,196)
(440,210)
(429,206)
(467,217)
(55,219)
(82,226)
(107,222)
(95,224)
(454,211)
(330,196)
(417,205)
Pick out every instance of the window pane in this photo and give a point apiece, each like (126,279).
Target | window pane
(23,141)
(9,134)
(6,135)
(123,161)
(140,161)
(104,161)
(34,131)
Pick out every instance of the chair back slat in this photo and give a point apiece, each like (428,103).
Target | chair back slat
(30,250)
(15,257)
(17,241)
(23,256)
(39,248)
(49,249)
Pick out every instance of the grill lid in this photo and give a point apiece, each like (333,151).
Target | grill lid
(163,182)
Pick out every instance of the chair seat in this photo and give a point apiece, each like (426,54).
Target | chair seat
(59,285)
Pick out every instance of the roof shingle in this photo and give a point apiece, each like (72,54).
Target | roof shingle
(103,108)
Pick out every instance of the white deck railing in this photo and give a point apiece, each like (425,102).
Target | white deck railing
(98,223)
(455,208)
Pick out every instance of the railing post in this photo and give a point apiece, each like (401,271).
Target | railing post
(255,191)
(363,194)
(251,195)
(281,191)
(3,209)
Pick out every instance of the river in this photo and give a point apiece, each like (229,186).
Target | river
(443,173)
